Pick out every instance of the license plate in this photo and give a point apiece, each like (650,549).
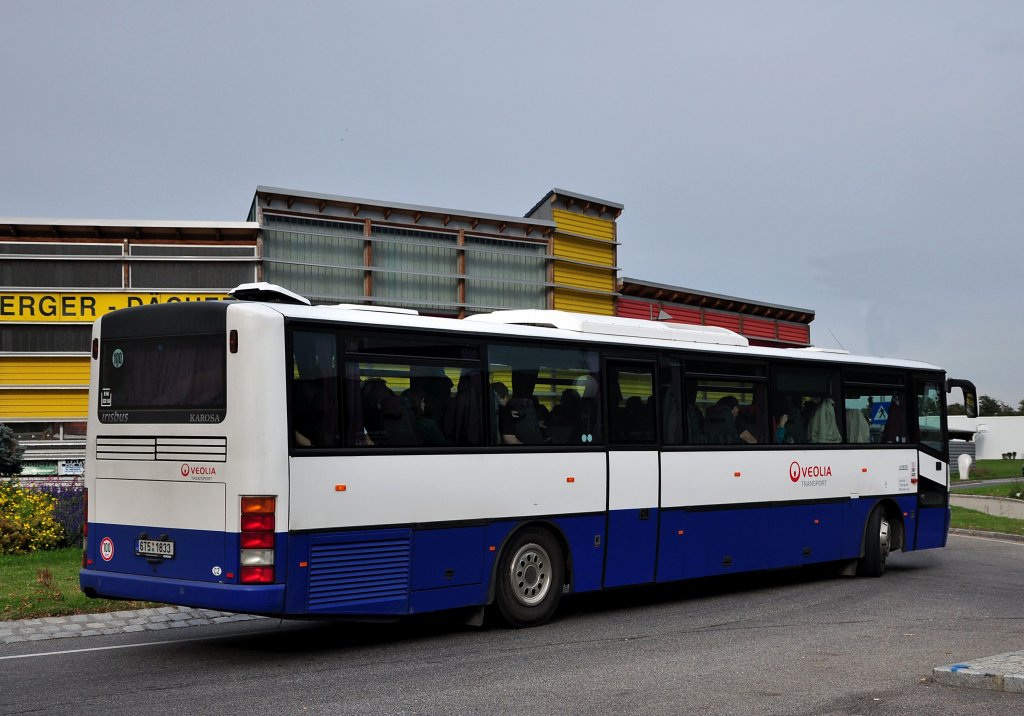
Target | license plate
(154,548)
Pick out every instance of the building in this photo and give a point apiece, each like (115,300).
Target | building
(60,275)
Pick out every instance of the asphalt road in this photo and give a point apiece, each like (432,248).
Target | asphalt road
(796,642)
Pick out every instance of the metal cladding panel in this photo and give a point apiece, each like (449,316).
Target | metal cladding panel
(689,316)
(758,328)
(631,308)
(725,320)
(44,370)
(582,250)
(795,333)
(585,277)
(584,225)
(568,300)
(42,404)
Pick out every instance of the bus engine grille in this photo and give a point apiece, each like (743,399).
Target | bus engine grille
(344,575)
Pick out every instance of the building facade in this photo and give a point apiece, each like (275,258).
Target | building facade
(58,276)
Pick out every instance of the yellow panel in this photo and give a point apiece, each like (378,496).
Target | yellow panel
(44,370)
(81,307)
(585,277)
(584,225)
(582,250)
(566,300)
(36,404)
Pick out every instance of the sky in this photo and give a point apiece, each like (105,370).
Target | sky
(864,160)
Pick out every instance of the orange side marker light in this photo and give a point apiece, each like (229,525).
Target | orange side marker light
(736,474)
(340,488)
(303,564)
(570,479)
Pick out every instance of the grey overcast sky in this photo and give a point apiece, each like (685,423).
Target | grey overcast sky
(861,159)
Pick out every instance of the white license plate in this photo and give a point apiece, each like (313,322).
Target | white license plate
(154,548)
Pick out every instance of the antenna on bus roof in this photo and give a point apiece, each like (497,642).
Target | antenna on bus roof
(267,293)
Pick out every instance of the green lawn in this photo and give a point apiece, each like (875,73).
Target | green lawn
(973,520)
(995,469)
(1013,489)
(43,584)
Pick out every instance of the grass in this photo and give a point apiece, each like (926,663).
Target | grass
(995,469)
(973,520)
(45,584)
(1013,489)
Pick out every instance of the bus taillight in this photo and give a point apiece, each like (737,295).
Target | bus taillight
(256,554)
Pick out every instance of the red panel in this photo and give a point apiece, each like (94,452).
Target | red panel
(725,320)
(758,328)
(631,308)
(795,333)
(690,316)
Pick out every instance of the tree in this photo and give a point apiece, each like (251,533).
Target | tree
(10,452)
(990,406)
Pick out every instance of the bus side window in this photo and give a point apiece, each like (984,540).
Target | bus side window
(314,402)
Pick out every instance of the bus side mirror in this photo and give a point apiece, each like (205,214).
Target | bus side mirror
(970,395)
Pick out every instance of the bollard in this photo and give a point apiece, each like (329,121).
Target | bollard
(964,464)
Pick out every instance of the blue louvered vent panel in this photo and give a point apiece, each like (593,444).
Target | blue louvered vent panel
(343,575)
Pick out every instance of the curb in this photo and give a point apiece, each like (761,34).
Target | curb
(104,623)
(1004,672)
(989,535)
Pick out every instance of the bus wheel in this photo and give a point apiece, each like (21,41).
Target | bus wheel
(877,542)
(530,577)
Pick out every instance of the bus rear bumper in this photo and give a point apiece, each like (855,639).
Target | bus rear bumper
(240,598)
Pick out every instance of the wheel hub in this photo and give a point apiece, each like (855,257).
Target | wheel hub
(530,574)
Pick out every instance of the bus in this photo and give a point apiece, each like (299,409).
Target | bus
(264,455)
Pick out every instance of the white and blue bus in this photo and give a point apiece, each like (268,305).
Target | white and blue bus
(264,455)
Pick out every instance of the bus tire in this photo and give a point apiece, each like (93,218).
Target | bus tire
(530,578)
(877,543)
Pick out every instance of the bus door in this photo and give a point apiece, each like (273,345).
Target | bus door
(634,479)
(932,468)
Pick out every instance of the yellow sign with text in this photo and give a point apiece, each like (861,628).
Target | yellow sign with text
(81,307)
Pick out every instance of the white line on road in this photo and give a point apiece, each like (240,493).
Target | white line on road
(128,646)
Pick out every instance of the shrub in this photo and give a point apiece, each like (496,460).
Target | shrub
(67,508)
(27,522)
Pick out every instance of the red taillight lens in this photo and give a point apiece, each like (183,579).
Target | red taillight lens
(257,523)
(256,575)
(257,540)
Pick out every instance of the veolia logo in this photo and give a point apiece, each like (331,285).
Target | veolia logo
(194,470)
(796,471)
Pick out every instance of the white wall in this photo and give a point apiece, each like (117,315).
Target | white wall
(993,435)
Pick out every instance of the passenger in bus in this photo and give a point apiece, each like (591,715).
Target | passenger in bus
(789,426)
(857,428)
(427,430)
(823,427)
(565,418)
(506,418)
(723,425)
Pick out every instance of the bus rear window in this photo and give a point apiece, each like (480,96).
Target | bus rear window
(175,379)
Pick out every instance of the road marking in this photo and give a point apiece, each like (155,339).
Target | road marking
(130,646)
